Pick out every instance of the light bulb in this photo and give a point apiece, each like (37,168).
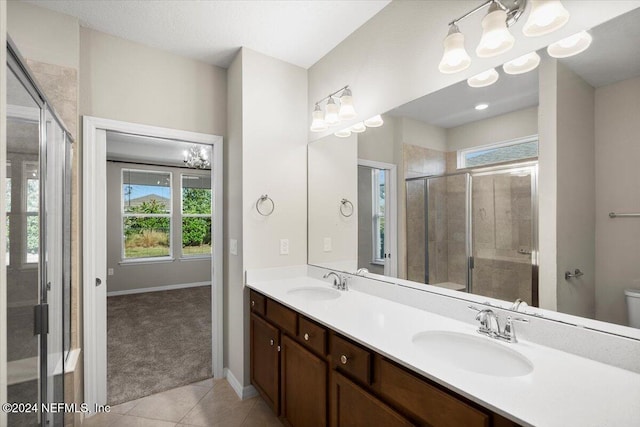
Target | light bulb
(523,64)
(331,113)
(344,133)
(455,58)
(358,127)
(347,111)
(317,123)
(496,38)
(546,16)
(374,122)
(481,107)
(570,46)
(486,78)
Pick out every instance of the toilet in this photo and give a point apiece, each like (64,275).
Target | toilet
(633,307)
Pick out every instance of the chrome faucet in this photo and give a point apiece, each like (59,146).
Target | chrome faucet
(362,272)
(339,281)
(490,326)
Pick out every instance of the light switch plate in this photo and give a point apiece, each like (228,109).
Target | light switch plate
(110,272)
(233,246)
(284,246)
(327,244)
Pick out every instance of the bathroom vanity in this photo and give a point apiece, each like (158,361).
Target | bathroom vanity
(325,357)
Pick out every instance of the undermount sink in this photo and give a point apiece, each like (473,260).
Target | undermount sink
(473,353)
(315,293)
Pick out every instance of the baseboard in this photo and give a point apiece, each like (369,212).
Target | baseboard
(242,392)
(158,288)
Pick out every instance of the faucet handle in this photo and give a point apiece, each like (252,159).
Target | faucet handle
(509,332)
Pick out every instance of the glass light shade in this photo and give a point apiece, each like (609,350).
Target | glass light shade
(374,122)
(344,133)
(486,78)
(317,123)
(455,58)
(546,16)
(496,38)
(347,112)
(570,46)
(331,113)
(358,127)
(523,64)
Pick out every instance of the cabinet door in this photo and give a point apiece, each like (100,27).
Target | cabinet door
(265,347)
(352,406)
(304,386)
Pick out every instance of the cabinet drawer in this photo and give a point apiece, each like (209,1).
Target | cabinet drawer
(423,400)
(351,359)
(312,335)
(257,303)
(282,316)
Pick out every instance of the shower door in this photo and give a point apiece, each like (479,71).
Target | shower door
(503,240)
(38,200)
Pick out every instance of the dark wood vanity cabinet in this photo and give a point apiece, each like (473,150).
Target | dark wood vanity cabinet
(313,377)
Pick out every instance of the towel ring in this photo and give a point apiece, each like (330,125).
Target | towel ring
(346,203)
(259,203)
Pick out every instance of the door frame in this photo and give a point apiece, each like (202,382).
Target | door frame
(391,266)
(94,246)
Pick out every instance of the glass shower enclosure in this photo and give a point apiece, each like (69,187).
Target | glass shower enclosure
(38,250)
(475,231)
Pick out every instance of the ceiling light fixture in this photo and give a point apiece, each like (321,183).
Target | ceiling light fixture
(344,133)
(546,16)
(358,127)
(481,107)
(484,79)
(338,108)
(374,122)
(571,45)
(196,158)
(523,64)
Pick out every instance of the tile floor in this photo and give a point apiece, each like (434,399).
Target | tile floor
(207,403)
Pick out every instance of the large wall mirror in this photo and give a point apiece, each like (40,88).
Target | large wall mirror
(518,190)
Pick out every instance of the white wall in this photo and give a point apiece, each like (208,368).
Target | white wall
(415,132)
(333,175)
(617,149)
(138,276)
(378,144)
(127,81)
(393,57)
(505,127)
(3,232)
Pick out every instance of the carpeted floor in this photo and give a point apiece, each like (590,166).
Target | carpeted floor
(157,341)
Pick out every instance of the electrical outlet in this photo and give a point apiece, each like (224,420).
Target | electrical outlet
(284,246)
(110,272)
(327,244)
(233,246)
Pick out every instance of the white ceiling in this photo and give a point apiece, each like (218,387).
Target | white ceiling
(296,31)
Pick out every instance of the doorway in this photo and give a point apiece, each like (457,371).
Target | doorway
(160,248)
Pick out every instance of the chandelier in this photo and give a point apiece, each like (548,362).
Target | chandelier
(196,158)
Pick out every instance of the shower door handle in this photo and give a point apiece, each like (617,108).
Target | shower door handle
(472,263)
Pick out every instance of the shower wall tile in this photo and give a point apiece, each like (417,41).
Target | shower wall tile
(420,161)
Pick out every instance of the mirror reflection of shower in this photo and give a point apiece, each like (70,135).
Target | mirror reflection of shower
(475,231)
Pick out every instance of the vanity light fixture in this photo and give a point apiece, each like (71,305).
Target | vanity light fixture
(546,16)
(570,46)
(481,107)
(484,79)
(455,57)
(358,127)
(374,122)
(338,108)
(523,64)
(344,133)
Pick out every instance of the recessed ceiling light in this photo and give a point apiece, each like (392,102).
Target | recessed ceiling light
(481,107)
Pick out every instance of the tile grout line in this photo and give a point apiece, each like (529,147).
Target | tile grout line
(194,406)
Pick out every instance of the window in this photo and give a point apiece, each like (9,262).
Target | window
(196,215)
(379,182)
(146,214)
(519,149)
(7,198)
(31,182)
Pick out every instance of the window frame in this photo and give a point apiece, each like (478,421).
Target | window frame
(28,165)
(462,154)
(123,215)
(183,215)
(375,214)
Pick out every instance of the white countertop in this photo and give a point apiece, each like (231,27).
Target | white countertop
(563,389)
